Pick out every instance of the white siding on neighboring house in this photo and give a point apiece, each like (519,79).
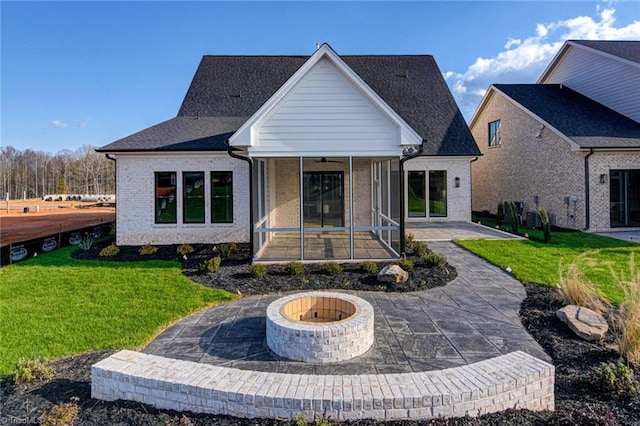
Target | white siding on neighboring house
(326,112)
(135,214)
(611,82)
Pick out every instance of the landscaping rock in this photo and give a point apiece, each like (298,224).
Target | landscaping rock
(393,274)
(584,322)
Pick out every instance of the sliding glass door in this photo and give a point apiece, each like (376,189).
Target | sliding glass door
(624,198)
(323,199)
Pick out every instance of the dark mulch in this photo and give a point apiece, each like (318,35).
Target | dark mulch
(579,398)
(234,276)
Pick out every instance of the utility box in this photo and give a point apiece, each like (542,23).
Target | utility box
(533,220)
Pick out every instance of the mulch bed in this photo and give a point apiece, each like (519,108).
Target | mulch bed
(234,276)
(579,399)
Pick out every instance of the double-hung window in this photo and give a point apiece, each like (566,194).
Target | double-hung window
(165,195)
(437,193)
(416,197)
(193,197)
(494,133)
(221,197)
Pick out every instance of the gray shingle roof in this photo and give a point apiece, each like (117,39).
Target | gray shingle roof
(586,122)
(181,134)
(227,90)
(629,50)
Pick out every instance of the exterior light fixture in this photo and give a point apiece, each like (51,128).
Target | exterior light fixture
(603,178)
(457,182)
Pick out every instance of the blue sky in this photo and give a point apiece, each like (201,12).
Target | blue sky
(78,73)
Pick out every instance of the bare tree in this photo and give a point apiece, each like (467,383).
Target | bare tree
(36,173)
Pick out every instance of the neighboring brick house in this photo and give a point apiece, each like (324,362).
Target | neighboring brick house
(289,145)
(569,143)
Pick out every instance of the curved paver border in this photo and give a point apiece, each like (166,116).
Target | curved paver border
(515,380)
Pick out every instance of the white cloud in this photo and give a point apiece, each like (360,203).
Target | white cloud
(83,123)
(512,42)
(58,124)
(522,61)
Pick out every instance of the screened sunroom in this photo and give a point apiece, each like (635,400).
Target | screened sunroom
(326,208)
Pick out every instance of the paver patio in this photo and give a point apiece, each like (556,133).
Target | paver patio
(473,318)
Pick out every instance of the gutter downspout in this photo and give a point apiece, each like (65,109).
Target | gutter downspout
(115,190)
(587,210)
(248,160)
(402,197)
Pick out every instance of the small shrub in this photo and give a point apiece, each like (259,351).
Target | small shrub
(184,249)
(406,264)
(515,220)
(295,268)
(626,322)
(331,268)
(226,250)
(147,249)
(258,270)
(323,421)
(419,248)
(300,421)
(616,378)
(28,370)
(574,289)
(61,414)
(87,242)
(543,214)
(369,267)
(408,240)
(434,259)
(211,265)
(110,250)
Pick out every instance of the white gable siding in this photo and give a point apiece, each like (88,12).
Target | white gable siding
(607,81)
(325,113)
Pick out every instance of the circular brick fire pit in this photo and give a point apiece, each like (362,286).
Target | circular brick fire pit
(319,327)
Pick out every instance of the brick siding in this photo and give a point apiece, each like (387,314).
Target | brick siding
(135,213)
(524,166)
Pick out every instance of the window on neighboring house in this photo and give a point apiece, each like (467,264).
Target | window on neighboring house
(221,197)
(416,197)
(437,193)
(193,197)
(165,183)
(494,133)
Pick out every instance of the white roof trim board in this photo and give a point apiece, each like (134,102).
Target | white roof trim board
(571,44)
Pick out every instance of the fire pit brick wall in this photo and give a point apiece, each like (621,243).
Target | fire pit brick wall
(320,343)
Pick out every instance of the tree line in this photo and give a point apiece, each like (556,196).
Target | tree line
(33,174)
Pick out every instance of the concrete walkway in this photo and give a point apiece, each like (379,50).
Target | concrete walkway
(629,236)
(471,319)
(448,231)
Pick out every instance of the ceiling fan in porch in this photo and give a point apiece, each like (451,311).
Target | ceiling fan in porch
(324,160)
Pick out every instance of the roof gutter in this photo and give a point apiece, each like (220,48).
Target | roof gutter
(402,200)
(587,211)
(248,160)
(115,189)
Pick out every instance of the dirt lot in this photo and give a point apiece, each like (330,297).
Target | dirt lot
(17,226)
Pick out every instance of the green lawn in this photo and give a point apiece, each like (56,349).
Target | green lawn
(56,306)
(537,262)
